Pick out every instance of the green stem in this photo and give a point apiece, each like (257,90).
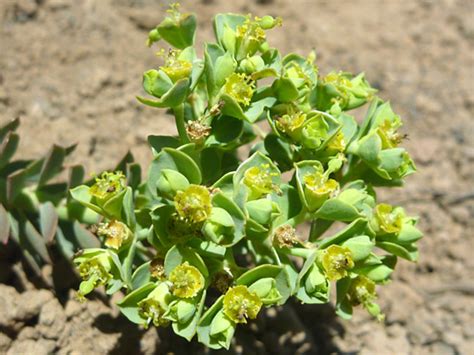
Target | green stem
(180,124)
(298,252)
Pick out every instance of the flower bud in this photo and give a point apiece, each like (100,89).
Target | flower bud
(170,182)
(187,281)
(269,22)
(108,185)
(218,225)
(153,36)
(181,311)
(316,285)
(266,290)
(336,261)
(252,64)
(115,234)
(262,211)
(240,304)
(194,203)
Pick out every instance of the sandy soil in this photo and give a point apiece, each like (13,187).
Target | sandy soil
(70,70)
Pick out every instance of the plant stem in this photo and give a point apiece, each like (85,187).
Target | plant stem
(299,252)
(180,124)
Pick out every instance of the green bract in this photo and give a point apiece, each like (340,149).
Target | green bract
(207,239)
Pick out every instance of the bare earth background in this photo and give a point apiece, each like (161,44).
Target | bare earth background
(71,69)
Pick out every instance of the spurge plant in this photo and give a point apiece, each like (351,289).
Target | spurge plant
(207,240)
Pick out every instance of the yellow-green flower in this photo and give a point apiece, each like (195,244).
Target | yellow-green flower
(175,67)
(115,233)
(362,290)
(94,272)
(291,123)
(319,188)
(336,261)
(240,304)
(187,280)
(151,310)
(388,132)
(337,143)
(259,180)
(240,87)
(108,185)
(194,203)
(389,219)
(155,305)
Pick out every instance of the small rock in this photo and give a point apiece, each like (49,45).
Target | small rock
(52,319)
(28,333)
(29,347)
(30,303)
(5,342)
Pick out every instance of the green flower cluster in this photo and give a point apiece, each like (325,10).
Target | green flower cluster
(207,240)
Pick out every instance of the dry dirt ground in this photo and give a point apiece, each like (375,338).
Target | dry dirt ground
(70,70)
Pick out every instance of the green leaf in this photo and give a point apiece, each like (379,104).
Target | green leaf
(274,272)
(357,227)
(285,90)
(81,194)
(378,272)
(173,159)
(157,143)
(231,21)
(238,218)
(84,238)
(53,164)
(9,127)
(360,247)
(66,247)
(8,148)
(76,176)
(211,164)
(48,221)
(4,225)
(343,305)
(177,255)
(187,329)
(209,327)
(31,240)
(179,34)
(280,152)
(225,129)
